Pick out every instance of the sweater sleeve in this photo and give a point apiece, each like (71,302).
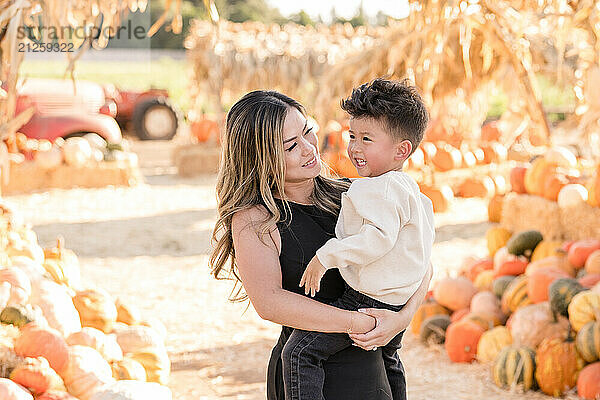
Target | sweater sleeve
(382,220)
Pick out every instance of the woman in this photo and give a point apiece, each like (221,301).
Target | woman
(275,211)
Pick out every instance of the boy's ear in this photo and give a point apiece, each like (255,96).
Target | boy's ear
(403,150)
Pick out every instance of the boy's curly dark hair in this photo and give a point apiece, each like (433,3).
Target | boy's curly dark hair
(397,104)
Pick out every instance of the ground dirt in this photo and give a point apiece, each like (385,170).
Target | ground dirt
(149,246)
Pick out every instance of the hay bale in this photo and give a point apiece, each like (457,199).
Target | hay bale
(524,212)
(197,159)
(581,222)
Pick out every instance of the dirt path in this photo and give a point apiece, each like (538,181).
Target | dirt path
(149,245)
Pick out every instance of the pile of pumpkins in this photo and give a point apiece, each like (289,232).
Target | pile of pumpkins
(60,340)
(531,309)
(74,151)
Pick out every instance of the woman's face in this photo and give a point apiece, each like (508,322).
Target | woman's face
(301,148)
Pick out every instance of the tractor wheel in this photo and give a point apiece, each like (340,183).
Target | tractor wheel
(155,119)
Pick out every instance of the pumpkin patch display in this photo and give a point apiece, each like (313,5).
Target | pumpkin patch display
(492,342)
(515,365)
(454,293)
(461,342)
(588,341)
(584,307)
(588,382)
(557,366)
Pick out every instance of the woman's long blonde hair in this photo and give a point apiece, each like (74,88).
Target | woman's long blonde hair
(252,169)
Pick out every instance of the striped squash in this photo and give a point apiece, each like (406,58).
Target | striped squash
(500,284)
(491,342)
(561,293)
(513,366)
(588,341)
(515,295)
(584,307)
(558,365)
(426,310)
(433,329)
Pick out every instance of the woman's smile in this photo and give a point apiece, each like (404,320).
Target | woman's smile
(311,163)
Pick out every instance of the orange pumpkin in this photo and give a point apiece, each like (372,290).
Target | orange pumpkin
(592,264)
(459,314)
(556,262)
(495,208)
(511,267)
(581,250)
(588,382)
(478,267)
(534,177)
(494,153)
(447,158)
(490,132)
(204,129)
(594,190)
(36,375)
(440,197)
(539,282)
(557,366)
(36,341)
(426,310)
(344,166)
(461,342)
(517,179)
(553,183)
(454,293)
(480,186)
(55,395)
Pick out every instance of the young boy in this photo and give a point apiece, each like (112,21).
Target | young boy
(384,233)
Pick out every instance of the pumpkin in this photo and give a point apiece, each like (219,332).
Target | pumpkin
(557,262)
(494,153)
(156,363)
(479,156)
(584,307)
(10,390)
(454,293)
(589,280)
(56,304)
(533,323)
(517,179)
(36,375)
(588,382)
(553,184)
(524,243)
(433,329)
(490,132)
(138,338)
(515,365)
(557,365)
(499,184)
(486,321)
(37,341)
(133,390)
(17,315)
(441,196)
(486,303)
(106,345)
(204,129)
(479,186)
(86,372)
(512,267)
(20,286)
(426,310)
(447,158)
(128,369)
(77,151)
(496,238)
(491,342)
(539,282)
(484,280)
(515,295)
(572,195)
(593,189)
(127,313)
(534,182)
(561,156)
(461,342)
(468,159)
(55,395)
(500,284)
(581,250)
(96,309)
(459,314)
(561,293)
(592,263)
(495,208)
(588,341)
(478,267)
(545,249)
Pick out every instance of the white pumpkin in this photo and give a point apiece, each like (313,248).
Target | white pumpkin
(12,391)
(561,156)
(20,286)
(49,159)
(57,306)
(106,345)
(138,338)
(86,373)
(133,390)
(34,270)
(572,195)
(77,151)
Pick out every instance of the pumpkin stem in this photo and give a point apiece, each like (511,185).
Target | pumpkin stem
(570,336)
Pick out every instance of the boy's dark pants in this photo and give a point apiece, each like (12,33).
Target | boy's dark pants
(305,351)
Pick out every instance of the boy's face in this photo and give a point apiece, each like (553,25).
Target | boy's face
(372,150)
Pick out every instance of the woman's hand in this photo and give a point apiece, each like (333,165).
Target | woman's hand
(389,324)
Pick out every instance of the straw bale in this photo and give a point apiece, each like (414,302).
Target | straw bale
(196,159)
(525,212)
(581,222)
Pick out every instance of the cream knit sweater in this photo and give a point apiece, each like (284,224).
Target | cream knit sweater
(384,236)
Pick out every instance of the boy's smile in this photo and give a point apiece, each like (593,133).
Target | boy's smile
(372,149)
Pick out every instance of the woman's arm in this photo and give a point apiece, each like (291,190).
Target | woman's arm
(260,272)
(390,323)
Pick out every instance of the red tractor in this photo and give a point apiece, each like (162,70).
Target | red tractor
(63,109)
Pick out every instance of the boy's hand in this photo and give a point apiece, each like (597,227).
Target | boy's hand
(312,276)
